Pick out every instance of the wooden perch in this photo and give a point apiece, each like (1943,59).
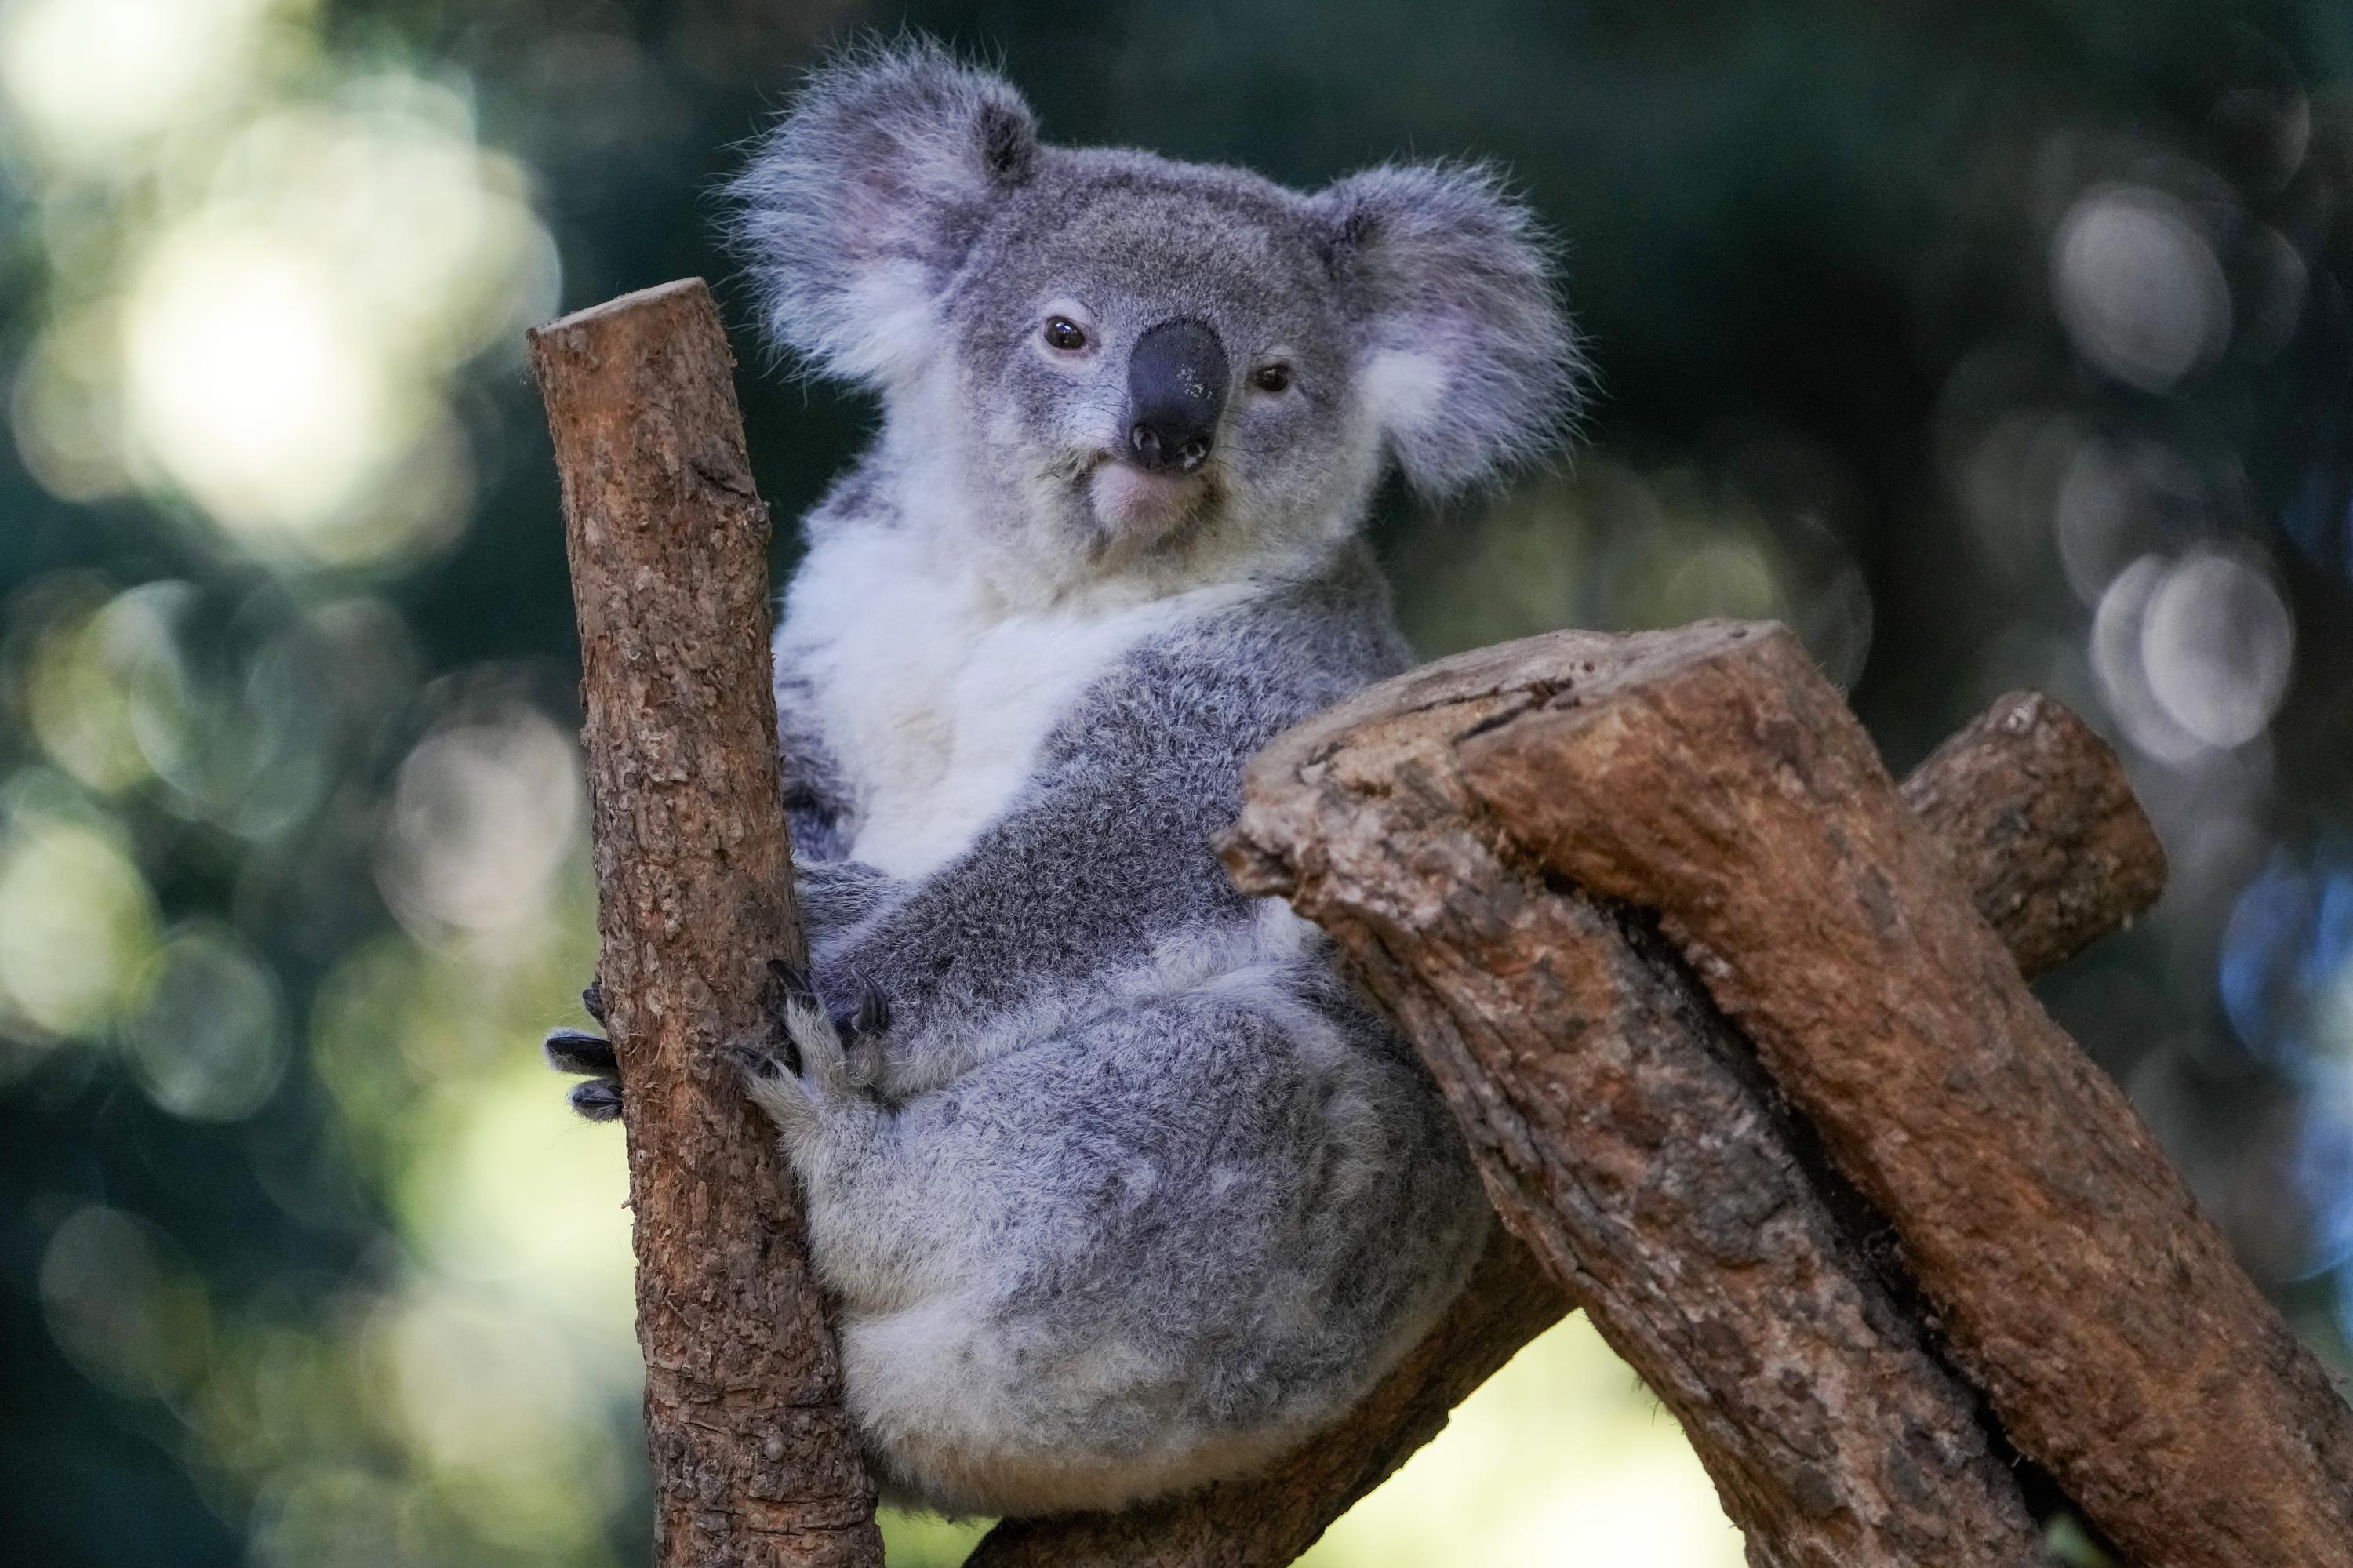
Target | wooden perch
(1692,1229)
(754,1462)
(1713,776)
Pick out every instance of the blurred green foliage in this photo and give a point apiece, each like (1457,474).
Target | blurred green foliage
(1985,346)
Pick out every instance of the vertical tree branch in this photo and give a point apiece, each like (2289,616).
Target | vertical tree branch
(754,1462)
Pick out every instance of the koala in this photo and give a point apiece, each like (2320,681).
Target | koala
(1116,1186)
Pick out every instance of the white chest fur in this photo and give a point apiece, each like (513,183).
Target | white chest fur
(936,696)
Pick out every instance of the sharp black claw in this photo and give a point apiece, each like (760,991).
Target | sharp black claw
(788,985)
(789,978)
(756,1064)
(868,1015)
(577,1051)
(592,999)
(598,1099)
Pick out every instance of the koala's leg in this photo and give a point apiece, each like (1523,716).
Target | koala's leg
(1135,1256)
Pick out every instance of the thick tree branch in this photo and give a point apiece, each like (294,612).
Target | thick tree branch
(1713,776)
(2040,828)
(1692,1221)
(754,1462)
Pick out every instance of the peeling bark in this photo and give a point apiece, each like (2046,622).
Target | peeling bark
(754,1462)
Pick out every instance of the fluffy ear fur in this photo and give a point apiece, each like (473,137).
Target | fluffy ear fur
(860,205)
(1471,365)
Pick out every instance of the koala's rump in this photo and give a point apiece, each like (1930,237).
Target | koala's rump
(1190,1235)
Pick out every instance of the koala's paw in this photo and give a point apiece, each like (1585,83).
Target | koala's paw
(818,1059)
(590,1056)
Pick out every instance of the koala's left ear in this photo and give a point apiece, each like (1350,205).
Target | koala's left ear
(1468,363)
(858,206)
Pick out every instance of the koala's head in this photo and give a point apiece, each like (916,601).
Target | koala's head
(1116,359)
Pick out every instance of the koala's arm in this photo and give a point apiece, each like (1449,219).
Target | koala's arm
(817,800)
(835,891)
(1104,860)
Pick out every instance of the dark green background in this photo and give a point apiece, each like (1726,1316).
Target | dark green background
(1813,246)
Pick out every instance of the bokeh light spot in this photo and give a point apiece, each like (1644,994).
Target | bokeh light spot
(481,818)
(88,80)
(2217,643)
(2286,971)
(65,407)
(2118,500)
(89,692)
(77,921)
(2192,655)
(122,1305)
(496,1404)
(209,1044)
(2139,286)
(252,387)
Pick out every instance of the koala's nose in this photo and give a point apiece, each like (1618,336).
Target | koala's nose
(1175,390)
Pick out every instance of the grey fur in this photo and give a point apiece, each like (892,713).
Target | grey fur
(1175,1195)
(1131,1190)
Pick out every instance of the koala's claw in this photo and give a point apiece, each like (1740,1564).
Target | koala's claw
(870,1015)
(759,1065)
(858,1029)
(816,1054)
(598,1099)
(591,1055)
(788,982)
(791,997)
(771,1071)
(577,1051)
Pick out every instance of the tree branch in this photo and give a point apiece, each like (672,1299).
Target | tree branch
(1689,1217)
(754,1462)
(1714,776)
(2040,828)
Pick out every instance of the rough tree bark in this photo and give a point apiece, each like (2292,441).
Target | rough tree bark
(2040,826)
(1695,1231)
(1713,774)
(755,1463)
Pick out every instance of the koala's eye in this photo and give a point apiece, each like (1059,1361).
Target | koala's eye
(1275,377)
(1064,333)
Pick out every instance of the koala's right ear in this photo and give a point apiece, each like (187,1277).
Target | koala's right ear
(860,205)
(1471,365)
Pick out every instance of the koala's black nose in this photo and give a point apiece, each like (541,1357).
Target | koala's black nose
(1175,390)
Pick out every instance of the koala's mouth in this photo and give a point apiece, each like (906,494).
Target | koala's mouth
(1140,508)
